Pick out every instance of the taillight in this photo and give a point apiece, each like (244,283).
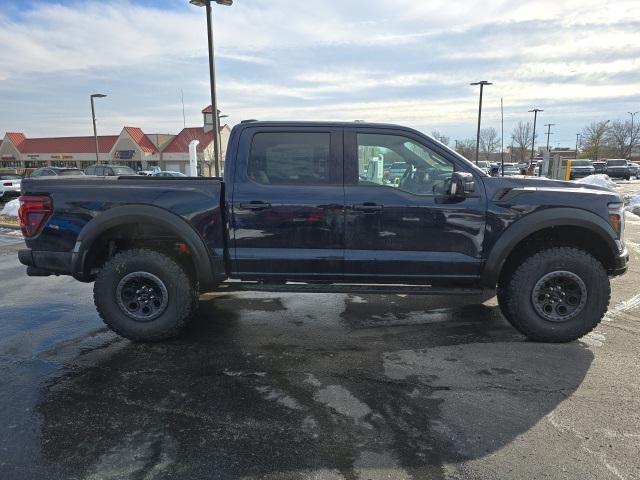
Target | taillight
(33,213)
(7,184)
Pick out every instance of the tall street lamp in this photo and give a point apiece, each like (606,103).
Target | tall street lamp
(631,139)
(533,140)
(93,116)
(482,83)
(577,143)
(212,78)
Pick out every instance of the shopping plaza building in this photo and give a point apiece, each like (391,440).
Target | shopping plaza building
(132,147)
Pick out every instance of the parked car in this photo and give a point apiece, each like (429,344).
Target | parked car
(55,172)
(599,167)
(510,169)
(169,173)
(633,169)
(618,168)
(294,214)
(485,166)
(109,170)
(10,185)
(581,169)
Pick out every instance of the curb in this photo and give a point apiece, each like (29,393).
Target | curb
(10,225)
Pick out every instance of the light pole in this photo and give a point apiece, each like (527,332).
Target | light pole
(93,116)
(533,140)
(577,143)
(549,125)
(631,135)
(482,83)
(212,78)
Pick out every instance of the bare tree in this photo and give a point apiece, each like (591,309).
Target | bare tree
(466,148)
(593,139)
(489,141)
(440,137)
(522,138)
(619,137)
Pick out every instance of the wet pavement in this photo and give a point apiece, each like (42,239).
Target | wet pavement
(311,386)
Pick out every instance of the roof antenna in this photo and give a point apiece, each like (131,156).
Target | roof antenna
(184,119)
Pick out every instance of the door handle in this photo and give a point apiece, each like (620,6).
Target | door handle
(255,205)
(367,207)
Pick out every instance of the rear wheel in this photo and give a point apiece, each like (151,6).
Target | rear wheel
(144,295)
(556,295)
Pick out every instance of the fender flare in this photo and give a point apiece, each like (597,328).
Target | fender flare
(534,222)
(128,214)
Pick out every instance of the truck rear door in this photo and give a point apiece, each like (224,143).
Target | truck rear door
(288,204)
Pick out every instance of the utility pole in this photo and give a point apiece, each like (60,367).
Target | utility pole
(482,83)
(93,116)
(533,140)
(631,134)
(577,143)
(502,136)
(549,125)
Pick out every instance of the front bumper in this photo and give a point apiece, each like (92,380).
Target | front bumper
(620,264)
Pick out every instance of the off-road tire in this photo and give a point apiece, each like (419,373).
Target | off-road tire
(516,303)
(182,295)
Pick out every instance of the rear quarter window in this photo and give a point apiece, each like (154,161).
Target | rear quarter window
(290,158)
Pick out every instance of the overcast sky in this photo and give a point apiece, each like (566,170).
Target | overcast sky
(400,61)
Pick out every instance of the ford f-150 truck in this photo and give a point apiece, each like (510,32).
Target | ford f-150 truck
(303,207)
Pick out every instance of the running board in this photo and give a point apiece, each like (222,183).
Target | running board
(349,288)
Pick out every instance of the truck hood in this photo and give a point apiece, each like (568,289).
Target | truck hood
(502,186)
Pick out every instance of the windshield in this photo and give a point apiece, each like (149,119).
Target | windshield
(123,171)
(69,173)
(617,163)
(581,163)
(510,168)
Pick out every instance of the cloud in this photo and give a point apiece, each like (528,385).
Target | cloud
(403,61)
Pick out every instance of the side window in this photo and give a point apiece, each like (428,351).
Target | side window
(100,171)
(400,162)
(290,158)
(90,171)
(109,172)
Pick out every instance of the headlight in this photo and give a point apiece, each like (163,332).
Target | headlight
(616,217)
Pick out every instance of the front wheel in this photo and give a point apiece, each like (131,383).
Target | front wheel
(556,295)
(144,295)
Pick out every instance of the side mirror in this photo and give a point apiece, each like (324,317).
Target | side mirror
(462,185)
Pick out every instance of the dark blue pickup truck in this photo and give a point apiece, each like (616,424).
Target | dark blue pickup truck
(308,207)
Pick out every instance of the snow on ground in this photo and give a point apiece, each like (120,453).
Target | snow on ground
(600,180)
(634,204)
(11,208)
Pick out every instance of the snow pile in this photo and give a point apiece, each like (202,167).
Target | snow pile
(11,208)
(634,204)
(600,180)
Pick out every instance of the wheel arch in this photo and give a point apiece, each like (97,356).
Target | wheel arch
(142,214)
(572,221)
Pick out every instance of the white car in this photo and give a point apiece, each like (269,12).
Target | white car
(10,185)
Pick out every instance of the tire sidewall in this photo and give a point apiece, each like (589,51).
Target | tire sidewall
(175,280)
(537,327)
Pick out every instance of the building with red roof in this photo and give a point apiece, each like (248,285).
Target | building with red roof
(132,147)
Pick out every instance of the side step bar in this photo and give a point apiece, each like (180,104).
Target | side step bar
(345,288)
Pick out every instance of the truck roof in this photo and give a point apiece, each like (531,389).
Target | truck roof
(293,123)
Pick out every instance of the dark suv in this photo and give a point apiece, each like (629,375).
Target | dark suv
(618,168)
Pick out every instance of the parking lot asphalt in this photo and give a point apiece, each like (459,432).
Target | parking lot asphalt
(284,386)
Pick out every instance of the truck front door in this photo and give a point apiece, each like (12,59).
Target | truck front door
(288,204)
(407,228)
